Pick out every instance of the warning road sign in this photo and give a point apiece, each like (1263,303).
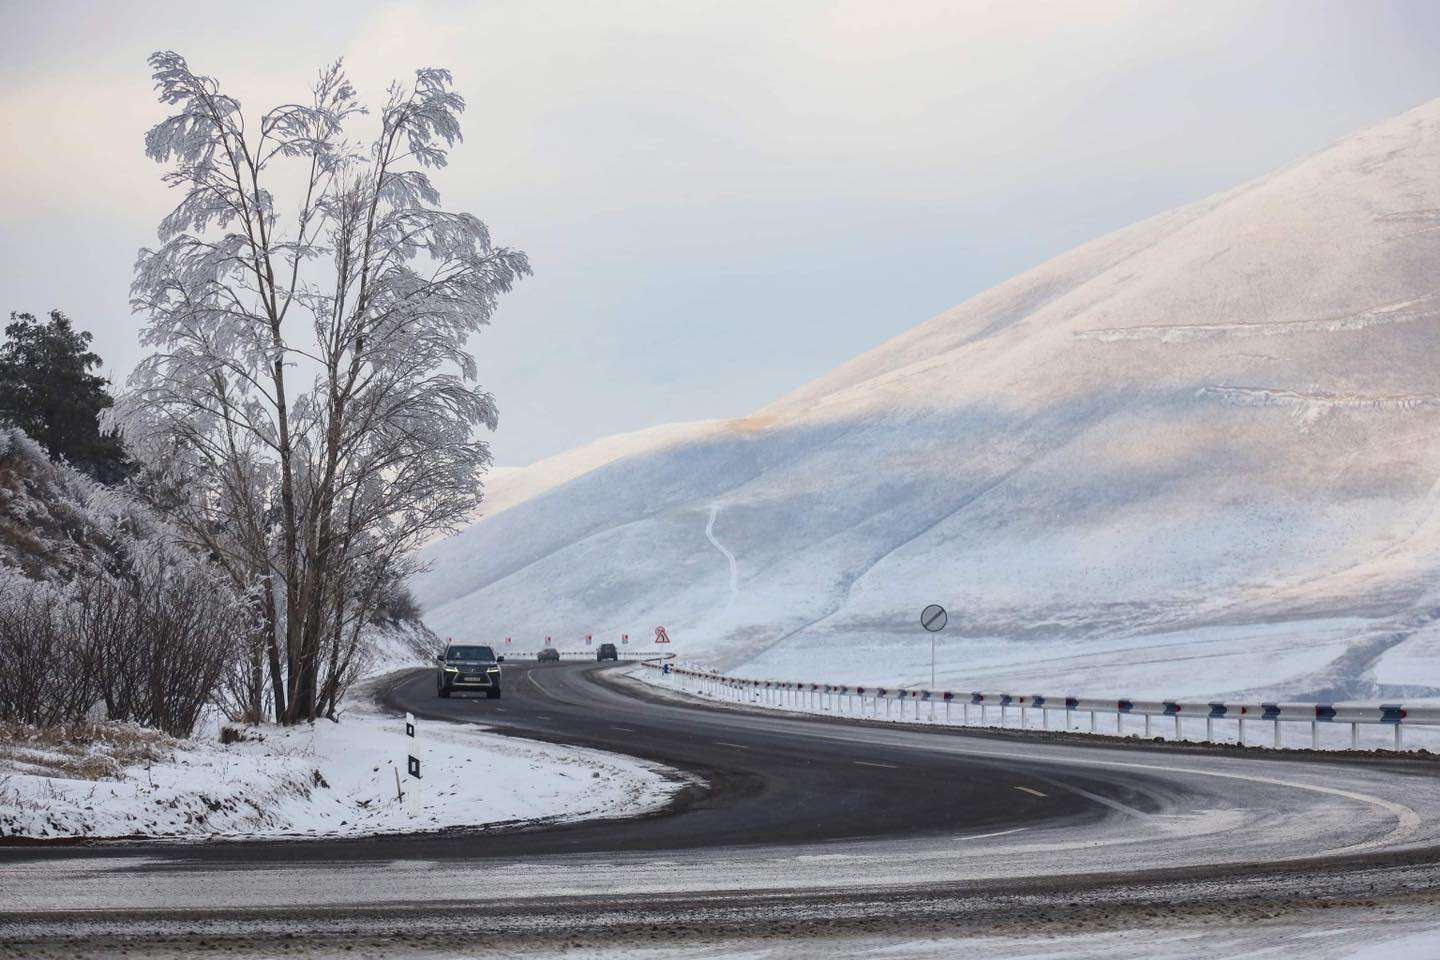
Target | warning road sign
(661,636)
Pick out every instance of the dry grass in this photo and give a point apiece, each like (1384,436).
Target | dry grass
(80,751)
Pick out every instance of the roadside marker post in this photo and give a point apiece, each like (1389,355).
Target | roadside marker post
(412,762)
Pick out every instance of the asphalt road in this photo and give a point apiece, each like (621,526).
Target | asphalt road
(791,822)
(764,783)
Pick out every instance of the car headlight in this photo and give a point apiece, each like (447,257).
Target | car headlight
(452,669)
(494,669)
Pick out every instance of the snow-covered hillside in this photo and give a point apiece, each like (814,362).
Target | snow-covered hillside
(1198,455)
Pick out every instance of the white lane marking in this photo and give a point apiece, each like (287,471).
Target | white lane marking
(734,571)
(625,729)
(539,717)
(1407,820)
(737,746)
(867,763)
(1033,793)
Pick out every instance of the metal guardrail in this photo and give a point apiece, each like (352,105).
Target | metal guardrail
(586,653)
(826,697)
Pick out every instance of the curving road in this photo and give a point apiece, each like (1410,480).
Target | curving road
(789,821)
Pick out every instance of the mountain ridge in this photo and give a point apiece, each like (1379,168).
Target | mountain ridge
(1211,415)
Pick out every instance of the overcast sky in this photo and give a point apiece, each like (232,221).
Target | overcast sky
(721,200)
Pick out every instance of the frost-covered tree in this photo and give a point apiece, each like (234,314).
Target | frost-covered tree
(310,403)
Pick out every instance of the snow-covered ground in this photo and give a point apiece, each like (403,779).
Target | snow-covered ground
(1198,456)
(329,779)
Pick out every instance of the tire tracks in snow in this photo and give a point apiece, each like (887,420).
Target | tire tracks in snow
(734,570)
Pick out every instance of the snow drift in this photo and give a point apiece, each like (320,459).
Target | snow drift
(1197,455)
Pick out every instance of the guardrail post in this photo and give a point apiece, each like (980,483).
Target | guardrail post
(1209,730)
(1177,727)
(1242,731)
(1003,711)
(1069,720)
(983,709)
(1092,721)
(1314,734)
(1147,726)
(1044,718)
(1277,733)
(1399,740)
(1119,724)
(1354,735)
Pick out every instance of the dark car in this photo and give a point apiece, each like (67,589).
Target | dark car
(468,667)
(548,655)
(607,652)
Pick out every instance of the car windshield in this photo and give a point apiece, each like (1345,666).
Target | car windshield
(469,653)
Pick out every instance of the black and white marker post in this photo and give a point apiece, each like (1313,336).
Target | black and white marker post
(933,619)
(412,762)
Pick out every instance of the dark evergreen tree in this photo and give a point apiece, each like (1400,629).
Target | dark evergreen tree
(48,390)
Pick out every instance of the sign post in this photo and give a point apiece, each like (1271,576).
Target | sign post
(933,618)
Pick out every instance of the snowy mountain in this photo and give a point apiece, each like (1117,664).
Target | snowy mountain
(1196,456)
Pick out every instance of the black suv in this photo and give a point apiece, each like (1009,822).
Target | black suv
(465,667)
(607,652)
(548,655)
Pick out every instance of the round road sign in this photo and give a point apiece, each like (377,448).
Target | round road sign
(933,617)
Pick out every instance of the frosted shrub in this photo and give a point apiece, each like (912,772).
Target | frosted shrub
(167,630)
(151,643)
(47,677)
